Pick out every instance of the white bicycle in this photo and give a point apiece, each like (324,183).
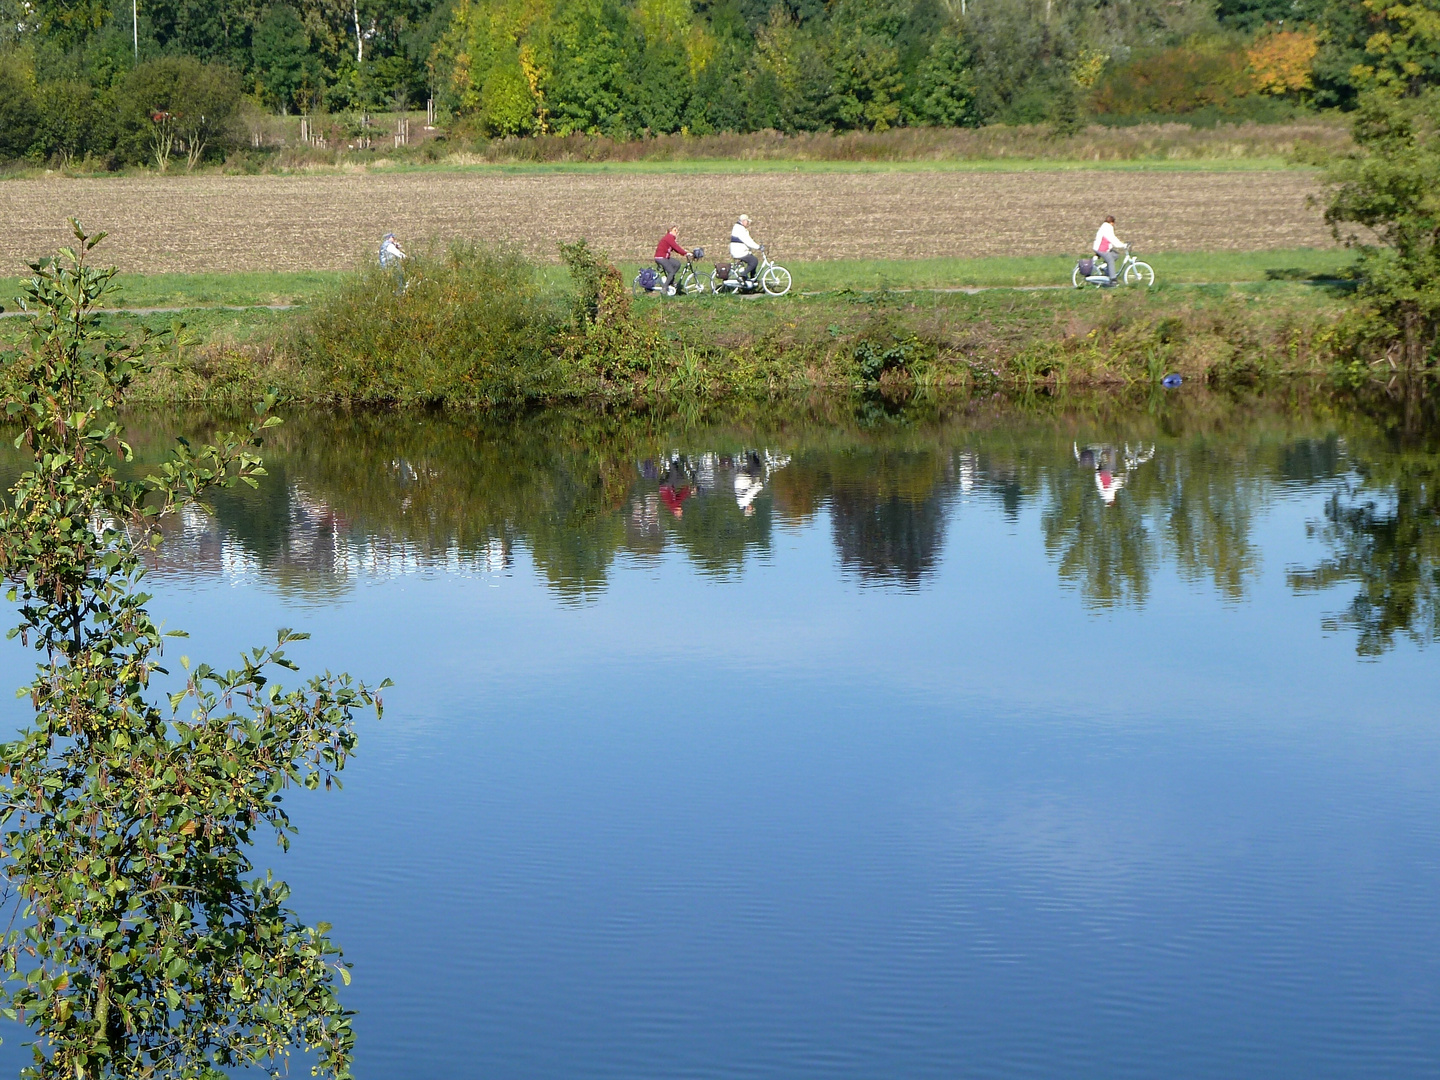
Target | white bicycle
(1091,271)
(770,277)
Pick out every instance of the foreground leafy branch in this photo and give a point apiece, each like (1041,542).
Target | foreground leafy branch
(138,941)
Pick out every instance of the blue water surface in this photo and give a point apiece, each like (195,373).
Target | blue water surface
(870,780)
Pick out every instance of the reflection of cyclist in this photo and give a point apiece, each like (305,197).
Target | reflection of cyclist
(1112,469)
(665,251)
(743,245)
(1105,244)
(749,482)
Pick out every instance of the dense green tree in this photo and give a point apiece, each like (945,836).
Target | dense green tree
(19,118)
(72,123)
(590,84)
(283,63)
(944,91)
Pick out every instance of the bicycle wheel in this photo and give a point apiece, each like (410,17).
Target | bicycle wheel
(717,283)
(638,289)
(775,280)
(1076,278)
(1140,273)
(690,283)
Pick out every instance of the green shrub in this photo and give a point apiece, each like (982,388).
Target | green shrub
(176,105)
(19,119)
(471,325)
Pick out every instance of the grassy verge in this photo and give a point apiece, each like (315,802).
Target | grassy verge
(210,290)
(197,291)
(1035,270)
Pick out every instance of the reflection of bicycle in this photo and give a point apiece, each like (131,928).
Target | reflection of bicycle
(651,282)
(1131,271)
(770,277)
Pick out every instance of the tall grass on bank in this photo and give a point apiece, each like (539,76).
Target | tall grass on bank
(472,324)
(1141,142)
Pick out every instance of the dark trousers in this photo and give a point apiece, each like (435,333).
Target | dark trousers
(749,260)
(670,268)
(1109,257)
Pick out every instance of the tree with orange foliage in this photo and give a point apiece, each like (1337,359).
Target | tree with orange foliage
(1281,62)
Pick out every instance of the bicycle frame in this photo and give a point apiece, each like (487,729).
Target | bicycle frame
(1099,275)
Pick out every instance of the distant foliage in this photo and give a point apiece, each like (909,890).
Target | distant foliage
(1175,80)
(630,69)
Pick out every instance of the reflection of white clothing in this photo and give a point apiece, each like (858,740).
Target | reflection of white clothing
(1109,484)
(1110,240)
(746,489)
(741,242)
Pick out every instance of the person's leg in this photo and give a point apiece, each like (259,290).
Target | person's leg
(1109,258)
(671,267)
(752,264)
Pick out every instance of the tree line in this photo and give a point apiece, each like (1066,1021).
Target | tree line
(132,82)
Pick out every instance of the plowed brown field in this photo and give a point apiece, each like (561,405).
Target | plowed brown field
(219,224)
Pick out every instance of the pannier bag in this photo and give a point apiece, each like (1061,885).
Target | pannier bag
(1087,267)
(722,271)
(648,279)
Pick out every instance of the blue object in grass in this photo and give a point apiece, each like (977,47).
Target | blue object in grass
(1170,382)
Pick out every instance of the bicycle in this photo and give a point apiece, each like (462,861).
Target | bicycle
(771,277)
(688,282)
(1131,272)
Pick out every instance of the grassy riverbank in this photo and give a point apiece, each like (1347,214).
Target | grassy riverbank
(493,328)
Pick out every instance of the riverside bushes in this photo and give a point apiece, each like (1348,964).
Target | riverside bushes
(471,324)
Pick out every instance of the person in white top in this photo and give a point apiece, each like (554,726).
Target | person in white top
(391,258)
(1105,244)
(743,245)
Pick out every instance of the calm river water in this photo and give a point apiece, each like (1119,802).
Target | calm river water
(828,744)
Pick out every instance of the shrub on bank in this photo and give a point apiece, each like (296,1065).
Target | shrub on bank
(471,324)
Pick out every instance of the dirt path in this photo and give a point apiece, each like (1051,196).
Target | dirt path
(221,224)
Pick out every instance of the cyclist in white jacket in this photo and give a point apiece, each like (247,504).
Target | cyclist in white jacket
(743,245)
(1105,244)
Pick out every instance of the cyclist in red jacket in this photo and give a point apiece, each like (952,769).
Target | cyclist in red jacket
(665,251)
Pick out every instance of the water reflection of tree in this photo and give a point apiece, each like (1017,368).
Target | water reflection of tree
(1193,505)
(1106,550)
(348,494)
(888,534)
(1383,530)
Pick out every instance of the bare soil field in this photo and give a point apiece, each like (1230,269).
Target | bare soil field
(227,223)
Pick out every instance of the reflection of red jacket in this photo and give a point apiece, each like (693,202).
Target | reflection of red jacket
(674,499)
(667,245)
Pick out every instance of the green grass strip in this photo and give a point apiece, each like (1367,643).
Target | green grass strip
(194,291)
(1296,264)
